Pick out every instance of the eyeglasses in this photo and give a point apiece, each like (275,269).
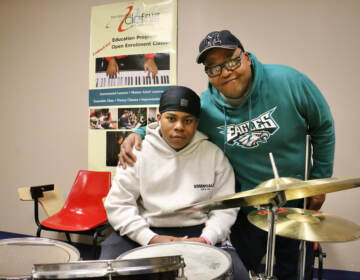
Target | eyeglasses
(230,65)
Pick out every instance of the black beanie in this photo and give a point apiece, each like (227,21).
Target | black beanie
(179,98)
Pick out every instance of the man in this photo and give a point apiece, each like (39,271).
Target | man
(176,167)
(250,110)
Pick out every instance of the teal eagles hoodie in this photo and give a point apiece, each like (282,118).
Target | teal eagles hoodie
(282,107)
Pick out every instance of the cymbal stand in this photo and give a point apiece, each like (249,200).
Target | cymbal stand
(302,253)
(272,210)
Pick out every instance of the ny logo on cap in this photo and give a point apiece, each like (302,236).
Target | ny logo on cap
(213,39)
(184,102)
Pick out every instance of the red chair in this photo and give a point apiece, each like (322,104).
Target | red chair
(83,211)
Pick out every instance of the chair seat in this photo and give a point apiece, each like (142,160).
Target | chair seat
(76,220)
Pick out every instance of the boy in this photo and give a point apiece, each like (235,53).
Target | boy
(176,167)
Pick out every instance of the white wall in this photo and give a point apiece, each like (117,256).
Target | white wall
(44,86)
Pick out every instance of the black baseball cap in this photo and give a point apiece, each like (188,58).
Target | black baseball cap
(218,39)
(179,98)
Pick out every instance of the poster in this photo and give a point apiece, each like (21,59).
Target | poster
(132,61)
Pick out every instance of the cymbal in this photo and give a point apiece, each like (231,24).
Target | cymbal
(263,194)
(308,225)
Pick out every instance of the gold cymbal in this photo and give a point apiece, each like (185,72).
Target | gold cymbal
(263,194)
(308,225)
(273,183)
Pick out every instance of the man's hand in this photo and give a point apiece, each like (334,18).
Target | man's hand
(113,68)
(126,156)
(151,67)
(166,238)
(316,201)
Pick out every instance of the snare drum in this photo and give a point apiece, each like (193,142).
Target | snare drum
(202,262)
(18,255)
(161,268)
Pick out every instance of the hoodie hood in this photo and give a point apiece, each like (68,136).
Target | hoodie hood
(158,143)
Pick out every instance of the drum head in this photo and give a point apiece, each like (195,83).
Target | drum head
(202,262)
(18,255)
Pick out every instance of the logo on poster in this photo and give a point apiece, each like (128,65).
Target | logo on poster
(120,28)
(136,18)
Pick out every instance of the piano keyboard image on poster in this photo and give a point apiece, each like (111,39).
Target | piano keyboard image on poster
(131,71)
(132,78)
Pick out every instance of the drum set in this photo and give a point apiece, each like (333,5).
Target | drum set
(40,258)
(300,224)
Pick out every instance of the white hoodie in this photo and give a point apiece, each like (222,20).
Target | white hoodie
(163,180)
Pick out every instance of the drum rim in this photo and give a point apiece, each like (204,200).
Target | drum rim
(41,239)
(104,268)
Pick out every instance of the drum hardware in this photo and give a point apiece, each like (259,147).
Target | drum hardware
(165,268)
(272,209)
(182,275)
(302,252)
(271,213)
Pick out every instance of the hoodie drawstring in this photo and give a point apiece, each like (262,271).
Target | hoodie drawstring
(225,124)
(250,115)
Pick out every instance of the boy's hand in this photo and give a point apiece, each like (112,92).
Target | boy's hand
(166,238)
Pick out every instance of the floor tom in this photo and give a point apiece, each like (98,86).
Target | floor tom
(18,255)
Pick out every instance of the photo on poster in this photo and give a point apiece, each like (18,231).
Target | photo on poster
(114,140)
(152,112)
(103,118)
(132,118)
(129,70)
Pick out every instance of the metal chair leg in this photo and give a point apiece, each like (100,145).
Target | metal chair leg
(68,237)
(38,232)
(95,237)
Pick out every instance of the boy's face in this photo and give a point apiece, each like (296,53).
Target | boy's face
(177,128)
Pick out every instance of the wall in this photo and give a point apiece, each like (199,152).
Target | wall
(44,86)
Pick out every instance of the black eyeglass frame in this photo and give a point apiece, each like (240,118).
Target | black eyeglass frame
(226,65)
